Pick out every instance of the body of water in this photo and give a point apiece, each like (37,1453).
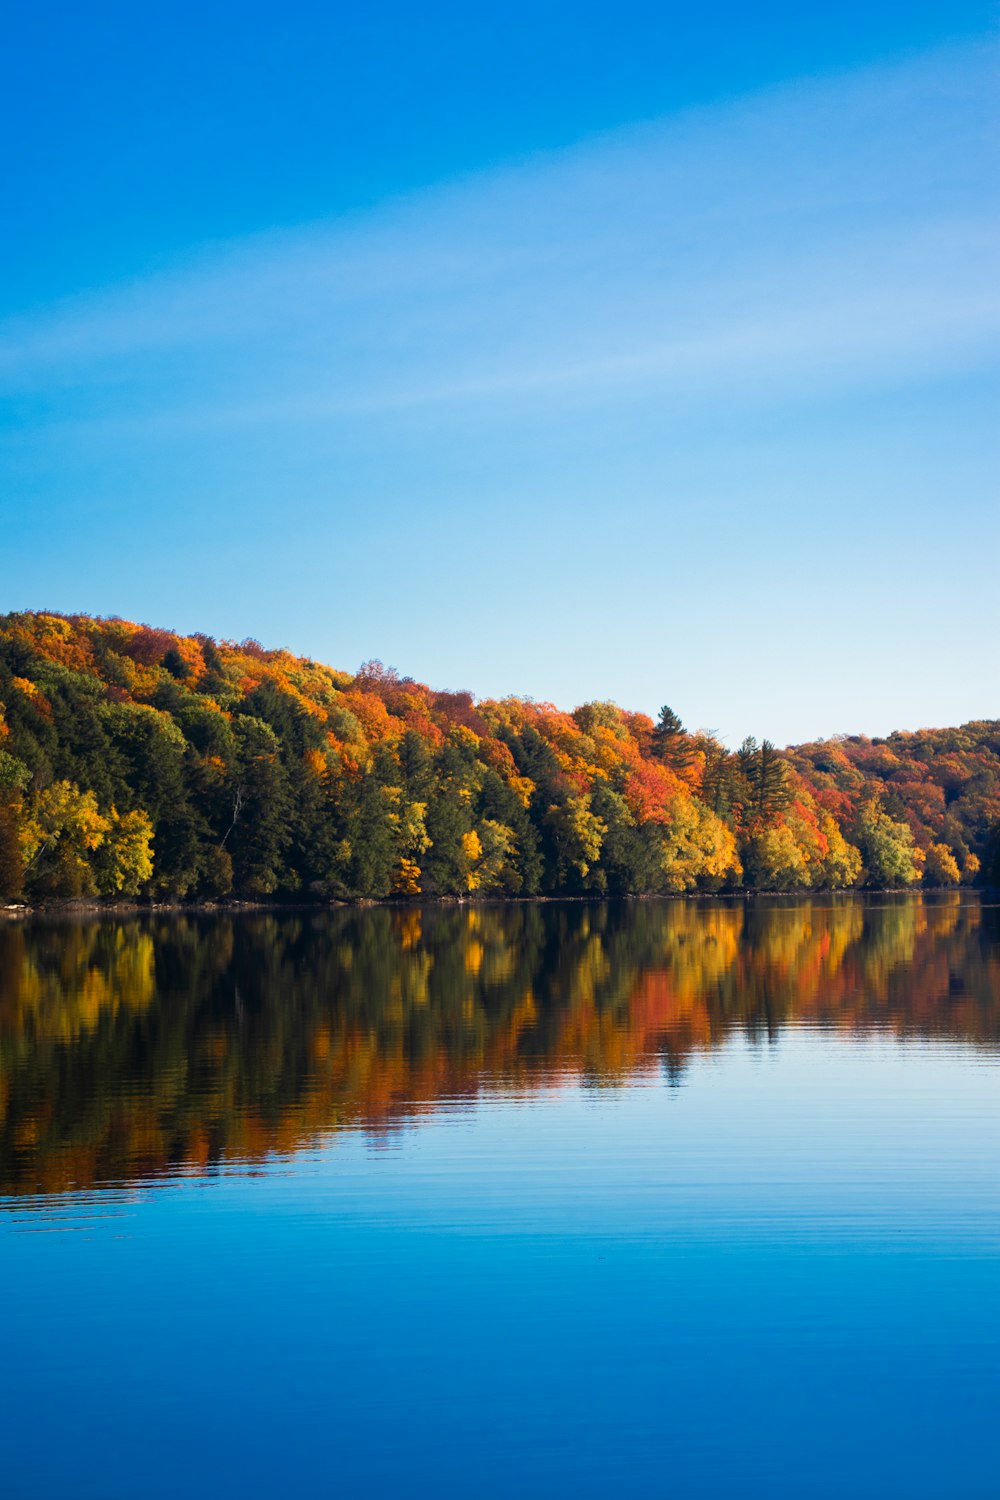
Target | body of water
(615,1199)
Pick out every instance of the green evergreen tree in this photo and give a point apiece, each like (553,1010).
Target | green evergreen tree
(671,743)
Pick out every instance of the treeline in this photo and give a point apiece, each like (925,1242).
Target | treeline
(140,763)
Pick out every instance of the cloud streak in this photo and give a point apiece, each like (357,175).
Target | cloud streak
(828,233)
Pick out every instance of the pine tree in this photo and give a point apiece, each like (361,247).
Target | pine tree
(671,743)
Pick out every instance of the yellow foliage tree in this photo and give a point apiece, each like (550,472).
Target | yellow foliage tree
(406,878)
(841,864)
(941,867)
(60,833)
(124,858)
(778,860)
(697,846)
(472,848)
(409,822)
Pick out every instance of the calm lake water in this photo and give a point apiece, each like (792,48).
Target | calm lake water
(651,1199)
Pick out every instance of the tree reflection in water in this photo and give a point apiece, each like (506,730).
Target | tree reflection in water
(143,1047)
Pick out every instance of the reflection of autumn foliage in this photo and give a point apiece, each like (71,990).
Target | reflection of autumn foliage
(131,1049)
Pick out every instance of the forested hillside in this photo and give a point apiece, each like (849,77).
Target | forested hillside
(141,763)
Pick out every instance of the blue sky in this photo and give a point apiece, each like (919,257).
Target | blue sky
(575,352)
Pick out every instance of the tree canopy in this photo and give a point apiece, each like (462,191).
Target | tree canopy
(137,762)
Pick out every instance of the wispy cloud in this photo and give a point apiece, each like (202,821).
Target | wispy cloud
(835,231)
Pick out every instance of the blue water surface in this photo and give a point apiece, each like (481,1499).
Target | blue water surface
(775,1272)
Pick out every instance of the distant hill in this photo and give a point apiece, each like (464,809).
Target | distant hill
(136,762)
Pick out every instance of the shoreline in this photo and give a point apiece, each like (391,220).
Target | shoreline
(18,911)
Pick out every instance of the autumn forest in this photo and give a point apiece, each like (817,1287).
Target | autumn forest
(137,763)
